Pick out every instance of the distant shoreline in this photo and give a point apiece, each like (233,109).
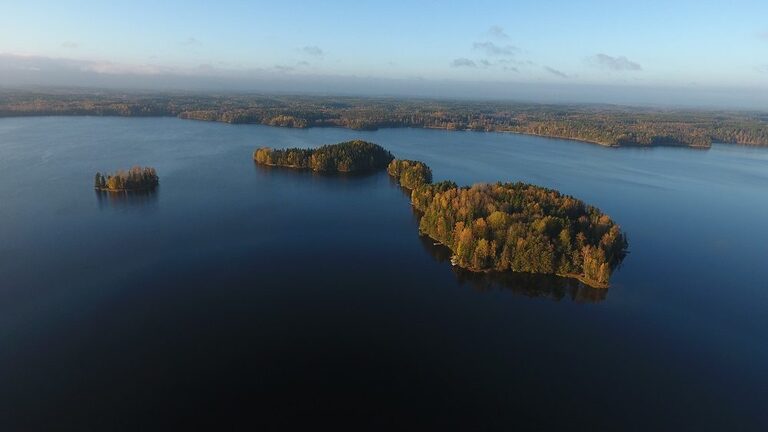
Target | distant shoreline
(604,125)
(560,137)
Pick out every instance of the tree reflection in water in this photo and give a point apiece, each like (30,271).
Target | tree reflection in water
(526,284)
(133,199)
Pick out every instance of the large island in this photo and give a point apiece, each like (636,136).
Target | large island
(488,227)
(514,226)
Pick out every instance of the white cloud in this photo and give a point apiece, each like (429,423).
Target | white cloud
(463,62)
(190,42)
(492,49)
(555,72)
(498,32)
(313,50)
(619,63)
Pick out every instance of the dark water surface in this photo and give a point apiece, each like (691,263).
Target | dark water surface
(242,294)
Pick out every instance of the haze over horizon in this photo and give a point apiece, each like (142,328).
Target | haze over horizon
(654,53)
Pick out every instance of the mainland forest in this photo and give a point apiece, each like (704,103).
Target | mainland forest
(488,227)
(133,179)
(350,156)
(609,125)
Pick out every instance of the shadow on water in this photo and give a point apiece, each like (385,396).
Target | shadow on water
(270,171)
(406,192)
(134,199)
(527,284)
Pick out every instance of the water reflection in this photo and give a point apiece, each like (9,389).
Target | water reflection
(396,183)
(530,285)
(135,199)
(270,171)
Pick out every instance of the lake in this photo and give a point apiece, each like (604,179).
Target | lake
(242,294)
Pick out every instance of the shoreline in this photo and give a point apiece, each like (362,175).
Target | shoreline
(124,190)
(581,140)
(588,282)
(299,168)
(501,131)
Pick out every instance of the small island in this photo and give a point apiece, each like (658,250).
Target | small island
(132,180)
(514,226)
(345,157)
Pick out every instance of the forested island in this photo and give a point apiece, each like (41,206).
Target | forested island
(488,227)
(608,125)
(345,157)
(132,180)
(514,226)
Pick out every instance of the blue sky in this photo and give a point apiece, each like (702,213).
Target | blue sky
(709,44)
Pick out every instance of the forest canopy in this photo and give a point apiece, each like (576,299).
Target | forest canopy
(133,179)
(514,226)
(349,156)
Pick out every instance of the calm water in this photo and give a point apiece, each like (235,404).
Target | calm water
(242,294)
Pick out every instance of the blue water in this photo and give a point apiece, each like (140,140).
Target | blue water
(242,294)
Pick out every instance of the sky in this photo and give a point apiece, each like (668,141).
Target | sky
(665,52)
